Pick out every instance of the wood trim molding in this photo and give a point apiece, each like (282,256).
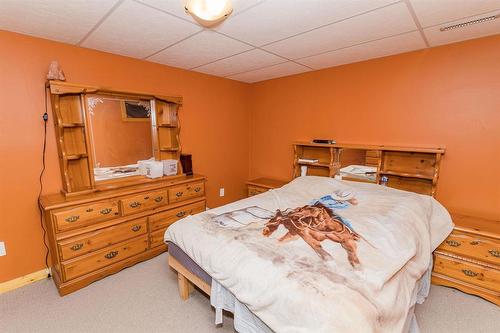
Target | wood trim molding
(23,280)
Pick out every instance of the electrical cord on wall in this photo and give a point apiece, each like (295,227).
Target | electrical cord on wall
(45,118)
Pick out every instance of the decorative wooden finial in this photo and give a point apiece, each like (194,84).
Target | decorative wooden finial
(55,72)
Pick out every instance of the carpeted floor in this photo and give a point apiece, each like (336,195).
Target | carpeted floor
(144,298)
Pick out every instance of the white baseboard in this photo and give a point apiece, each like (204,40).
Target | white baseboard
(23,280)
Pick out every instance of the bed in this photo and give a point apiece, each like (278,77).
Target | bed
(365,275)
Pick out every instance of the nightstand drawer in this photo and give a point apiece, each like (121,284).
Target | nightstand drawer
(478,248)
(254,190)
(478,275)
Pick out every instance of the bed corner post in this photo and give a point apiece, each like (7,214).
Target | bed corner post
(184,286)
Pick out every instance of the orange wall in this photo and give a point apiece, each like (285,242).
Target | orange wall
(448,96)
(442,96)
(214,123)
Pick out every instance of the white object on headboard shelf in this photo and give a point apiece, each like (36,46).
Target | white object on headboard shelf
(303,170)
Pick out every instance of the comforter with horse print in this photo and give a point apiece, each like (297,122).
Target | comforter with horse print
(320,255)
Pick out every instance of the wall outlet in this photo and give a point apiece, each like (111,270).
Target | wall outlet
(221,192)
(3,251)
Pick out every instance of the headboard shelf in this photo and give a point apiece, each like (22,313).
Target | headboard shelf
(414,169)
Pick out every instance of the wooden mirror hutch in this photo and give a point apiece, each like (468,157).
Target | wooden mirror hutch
(96,228)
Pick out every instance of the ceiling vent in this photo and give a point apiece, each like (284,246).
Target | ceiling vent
(468,23)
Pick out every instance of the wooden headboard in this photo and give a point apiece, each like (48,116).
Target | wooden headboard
(405,168)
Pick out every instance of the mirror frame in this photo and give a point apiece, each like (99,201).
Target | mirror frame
(75,148)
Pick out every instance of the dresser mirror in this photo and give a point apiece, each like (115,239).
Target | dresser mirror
(121,135)
(103,133)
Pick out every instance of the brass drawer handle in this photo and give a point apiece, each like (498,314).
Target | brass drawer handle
(72,218)
(111,255)
(180,214)
(136,228)
(106,211)
(159,198)
(77,246)
(453,243)
(494,253)
(178,194)
(198,189)
(135,204)
(468,272)
(90,210)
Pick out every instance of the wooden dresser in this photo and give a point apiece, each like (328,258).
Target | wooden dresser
(469,259)
(95,235)
(260,185)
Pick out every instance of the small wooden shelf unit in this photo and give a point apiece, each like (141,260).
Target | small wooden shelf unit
(406,168)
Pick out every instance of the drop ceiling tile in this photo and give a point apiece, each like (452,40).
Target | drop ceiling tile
(138,31)
(239,63)
(274,20)
(61,20)
(437,37)
(376,49)
(199,49)
(284,69)
(176,7)
(377,24)
(432,12)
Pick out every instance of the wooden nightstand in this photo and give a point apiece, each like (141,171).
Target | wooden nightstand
(260,185)
(469,259)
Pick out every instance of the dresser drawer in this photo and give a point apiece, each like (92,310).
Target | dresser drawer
(105,257)
(478,248)
(156,238)
(164,219)
(144,201)
(186,191)
(80,216)
(481,276)
(99,239)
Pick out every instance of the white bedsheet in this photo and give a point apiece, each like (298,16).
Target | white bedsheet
(246,322)
(291,289)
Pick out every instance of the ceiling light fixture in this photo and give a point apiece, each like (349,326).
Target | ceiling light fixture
(209,12)
(466,24)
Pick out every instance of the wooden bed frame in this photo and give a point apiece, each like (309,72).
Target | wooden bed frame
(406,168)
(187,280)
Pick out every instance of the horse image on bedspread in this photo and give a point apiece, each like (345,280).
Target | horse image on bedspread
(314,224)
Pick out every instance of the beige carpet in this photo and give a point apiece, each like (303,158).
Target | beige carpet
(144,298)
